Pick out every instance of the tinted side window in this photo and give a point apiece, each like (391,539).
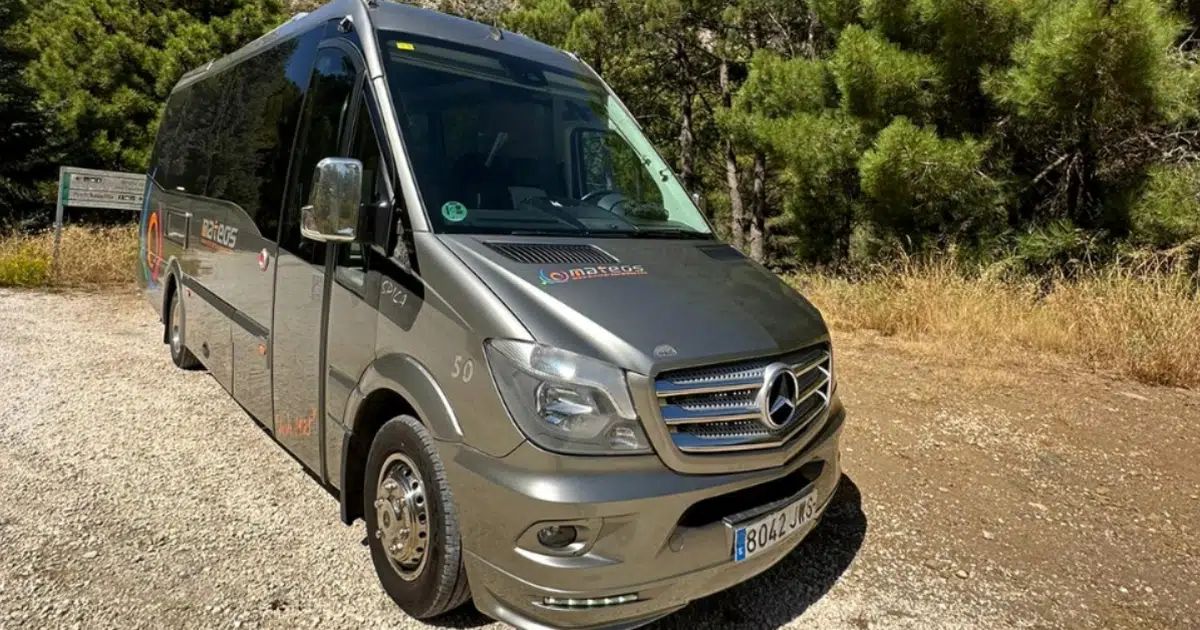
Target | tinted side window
(321,126)
(198,136)
(168,162)
(365,147)
(260,109)
(351,259)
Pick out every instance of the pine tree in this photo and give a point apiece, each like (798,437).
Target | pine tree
(25,157)
(104,67)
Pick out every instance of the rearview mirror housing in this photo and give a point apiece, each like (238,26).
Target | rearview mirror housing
(331,215)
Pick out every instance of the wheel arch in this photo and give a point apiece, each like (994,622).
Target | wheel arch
(392,385)
(174,279)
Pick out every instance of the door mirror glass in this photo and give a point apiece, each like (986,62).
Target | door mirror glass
(331,215)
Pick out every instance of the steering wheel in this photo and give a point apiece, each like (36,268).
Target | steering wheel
(597,193)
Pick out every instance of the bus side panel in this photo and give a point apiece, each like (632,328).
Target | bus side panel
(228,160)
(274,83)
(252,373)
(150,263)
(208,332)
(160,237)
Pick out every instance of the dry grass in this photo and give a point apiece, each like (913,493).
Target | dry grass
(89,257)
(1141,322)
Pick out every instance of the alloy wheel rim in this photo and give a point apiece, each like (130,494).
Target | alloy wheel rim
(402,516)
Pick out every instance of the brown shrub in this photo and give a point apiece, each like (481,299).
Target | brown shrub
(88,257)
(1139,320)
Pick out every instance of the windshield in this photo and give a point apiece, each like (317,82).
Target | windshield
(502,145)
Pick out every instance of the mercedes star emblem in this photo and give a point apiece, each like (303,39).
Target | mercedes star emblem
(777,399)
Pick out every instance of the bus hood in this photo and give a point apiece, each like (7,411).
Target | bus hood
(662,304)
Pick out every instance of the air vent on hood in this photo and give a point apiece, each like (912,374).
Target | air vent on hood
(552,254)
(721,252)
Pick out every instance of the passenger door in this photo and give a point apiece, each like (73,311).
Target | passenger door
(302,286)
(354,297)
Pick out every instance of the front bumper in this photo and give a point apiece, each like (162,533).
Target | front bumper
(649,530)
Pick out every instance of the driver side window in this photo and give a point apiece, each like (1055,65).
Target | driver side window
(351,260)
(325,111)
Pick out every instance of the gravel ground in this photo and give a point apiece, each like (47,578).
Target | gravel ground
(135,495)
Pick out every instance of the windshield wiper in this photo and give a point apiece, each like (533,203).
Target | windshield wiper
(683,233)
(548,233)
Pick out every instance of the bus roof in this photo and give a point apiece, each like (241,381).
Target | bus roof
(403,18)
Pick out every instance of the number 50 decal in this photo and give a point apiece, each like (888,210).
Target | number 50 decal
(464,369)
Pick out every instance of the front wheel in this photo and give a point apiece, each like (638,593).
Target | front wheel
(411,526)
(180,355)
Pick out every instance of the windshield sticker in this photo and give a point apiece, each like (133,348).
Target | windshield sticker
(404,46)
(588,273)
(664,351)
(454,211)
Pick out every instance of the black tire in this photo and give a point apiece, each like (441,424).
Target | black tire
(440,585)
(180,355)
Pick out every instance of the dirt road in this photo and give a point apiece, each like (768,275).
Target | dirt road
(1026,495)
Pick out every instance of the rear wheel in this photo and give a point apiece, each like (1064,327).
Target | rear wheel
(411,526)
(182,357)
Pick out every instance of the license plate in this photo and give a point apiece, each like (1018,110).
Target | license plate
(752,538)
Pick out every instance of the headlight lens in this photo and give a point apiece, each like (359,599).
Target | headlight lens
(566,402)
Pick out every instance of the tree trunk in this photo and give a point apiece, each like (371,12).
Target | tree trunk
(737,226)
(757,235)
(686,143)
(758,213)
(811,36)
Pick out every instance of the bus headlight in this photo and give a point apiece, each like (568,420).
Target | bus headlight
(565,402)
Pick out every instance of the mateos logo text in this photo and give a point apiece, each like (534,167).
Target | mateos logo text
(562,276)
(216,233)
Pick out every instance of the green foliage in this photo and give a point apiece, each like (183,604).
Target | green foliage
(818,154)
(22,265)
(896,20)
(969,34)
(1168,212)
(778,87)
(967,37)
(104,67)
(1059,245)
(927,190)
(1056,130)
(1085,87)
(1090,64)
(24,154)
(878,80)
(544,20)
(836,14)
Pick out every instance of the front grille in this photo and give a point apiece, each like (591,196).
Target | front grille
(715,409)
(552,253)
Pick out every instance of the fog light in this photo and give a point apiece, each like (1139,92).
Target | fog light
(557,536)
(590,602)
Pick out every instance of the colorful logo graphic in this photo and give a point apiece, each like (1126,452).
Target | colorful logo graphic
(151,242)
(588,273)
(152,246)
